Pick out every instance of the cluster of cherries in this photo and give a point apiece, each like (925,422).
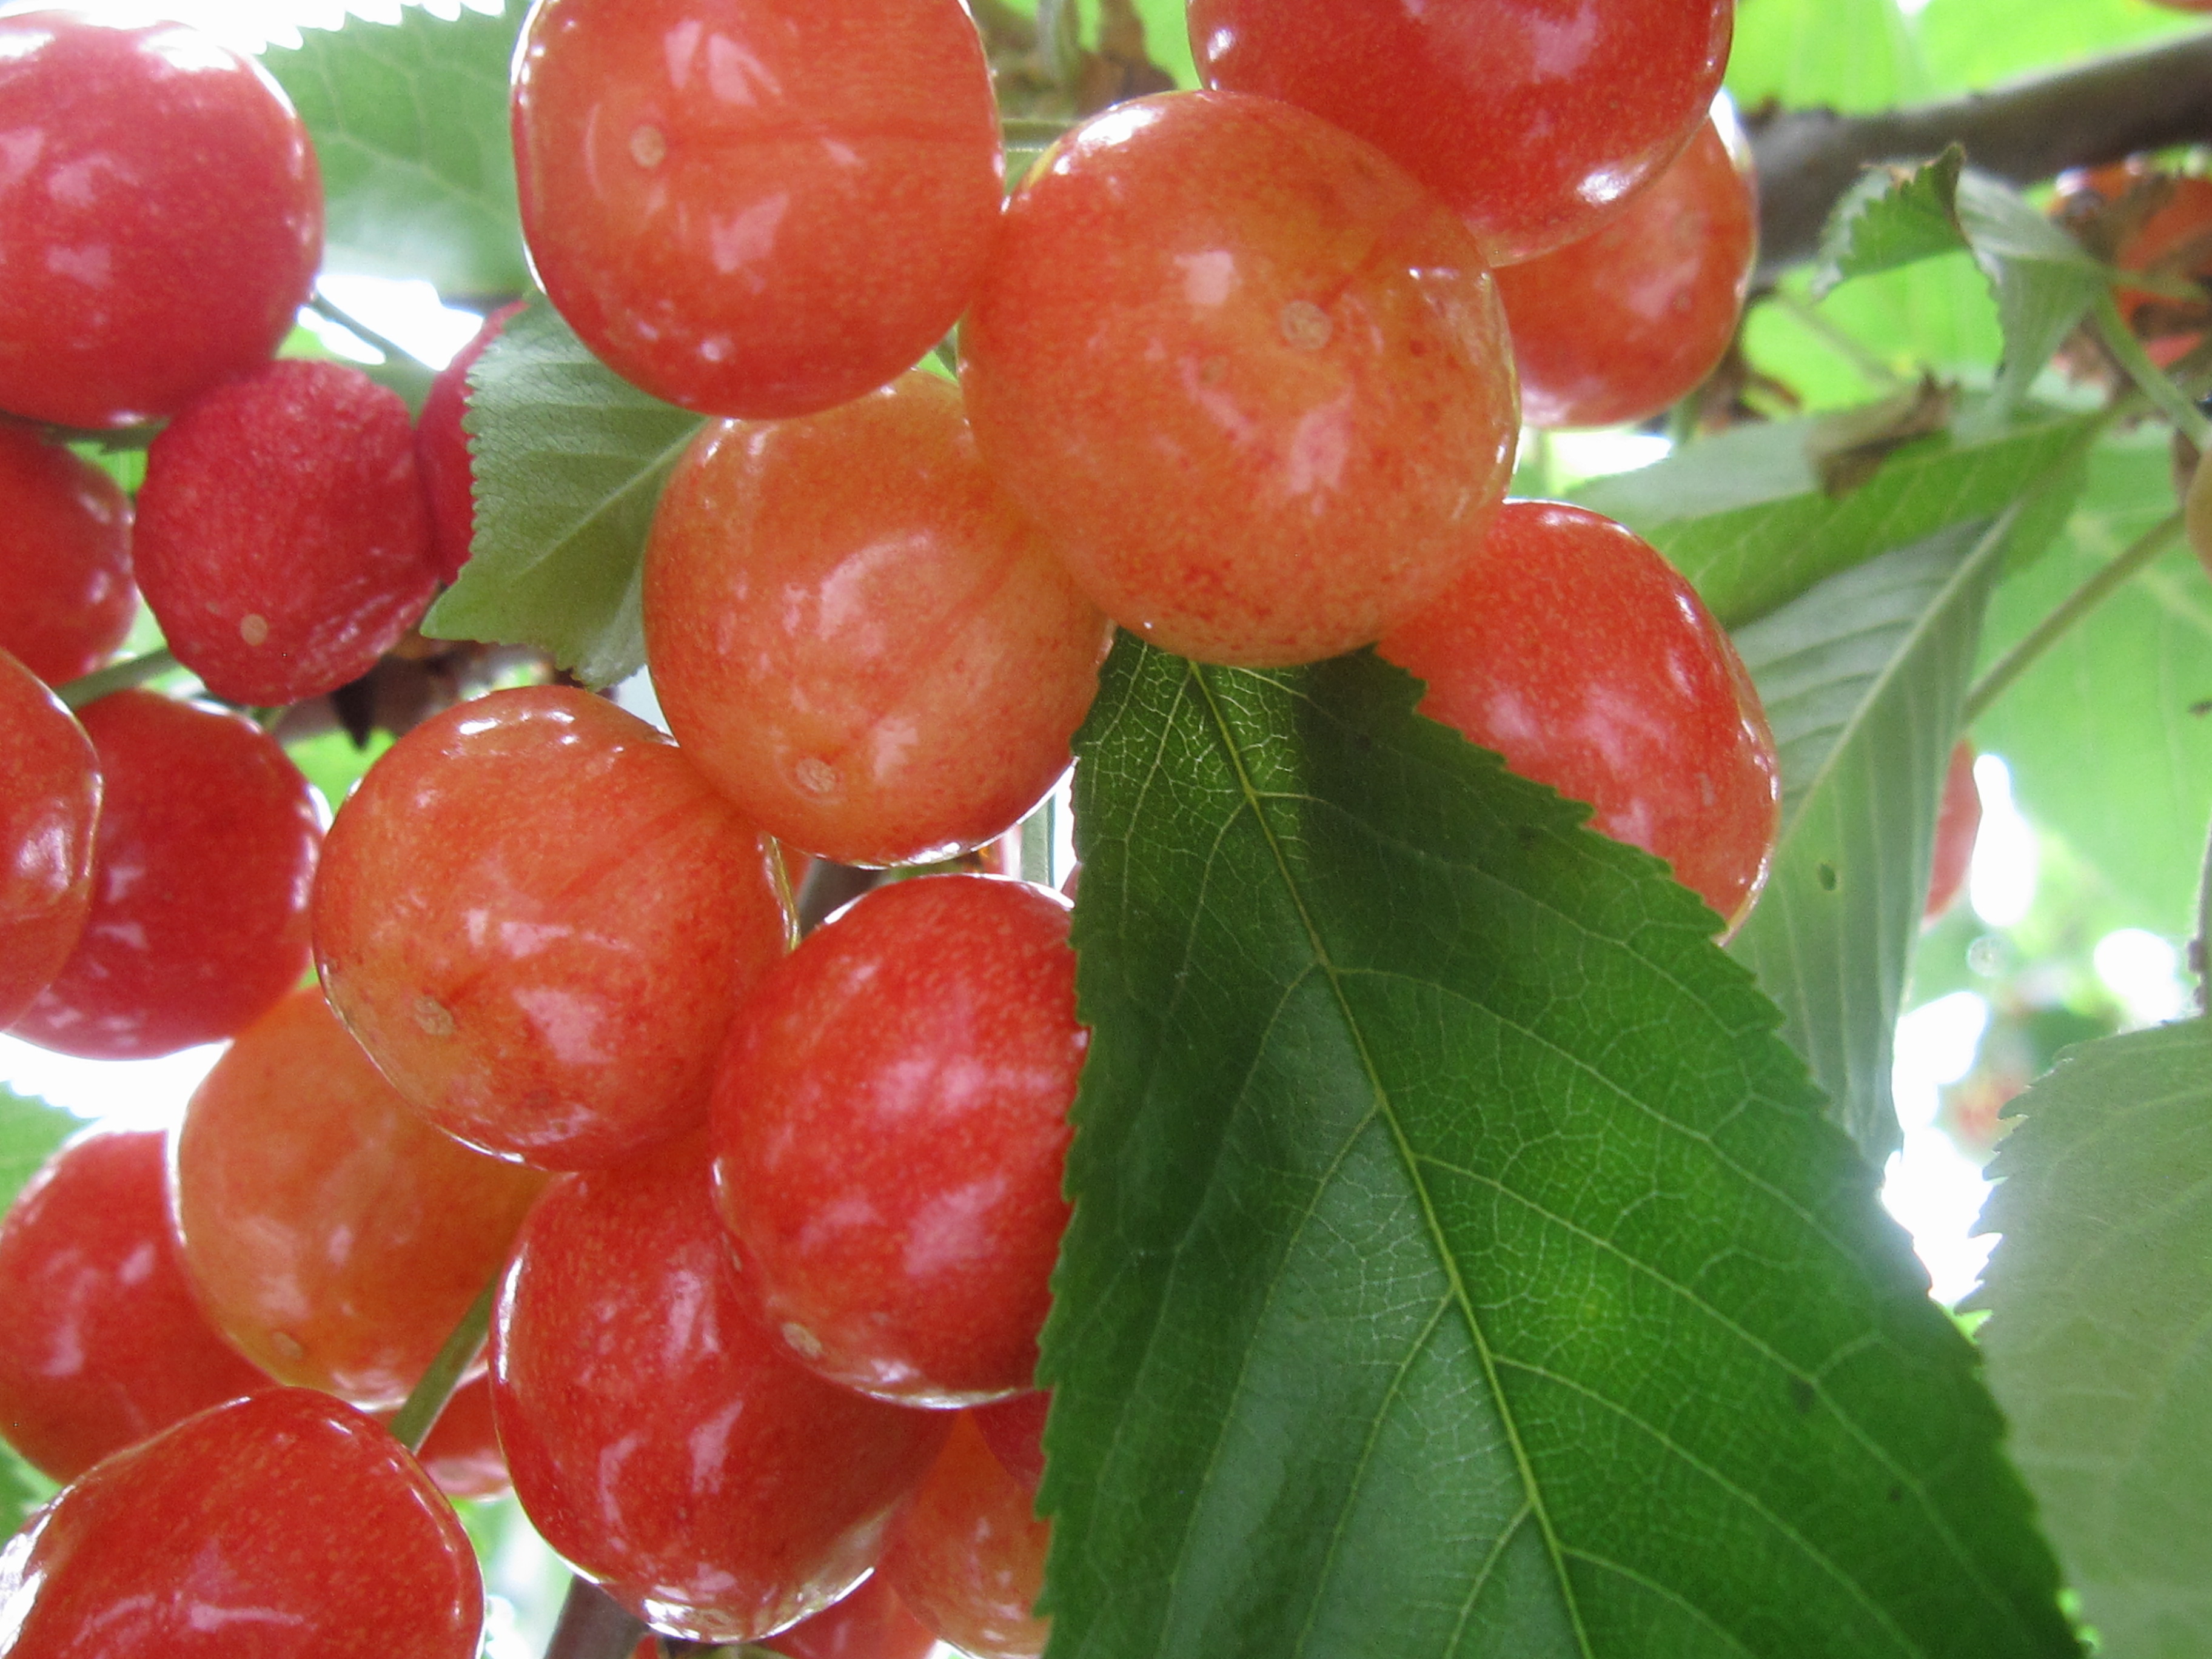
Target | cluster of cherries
(772,1220)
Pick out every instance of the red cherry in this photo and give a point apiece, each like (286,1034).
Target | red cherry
(287,1526)
(441,449)
(858,637)
(162,213)
(50,793)
(1014,1430)
(283,541)
(758,208)
(202,867)
(872,1623)
(462,1453)
(659,1439)
(1572,648)
(891,1125)
(334,1237)
(967,1553)
(538,918)
(1958,822)
(1252,379)
(103,1344)
(1535,119)
(66,601)
(1624,323)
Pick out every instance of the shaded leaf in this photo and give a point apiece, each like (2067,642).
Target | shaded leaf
(2099,1335)
(1459,1265)
(30,1130)
(1849,55)
(1969,45)
(22,1489)
(1895,216)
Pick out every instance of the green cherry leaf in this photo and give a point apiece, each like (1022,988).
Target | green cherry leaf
(30,1132)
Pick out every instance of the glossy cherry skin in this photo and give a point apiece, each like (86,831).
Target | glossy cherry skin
(1573,649)
(1627,322)
(462,1453)
(103,1344)
(441,449)
(284,538)
(1958,822)
(660,1439)
(967,1553)
(891,1125)
(536,917)
(1014,1430)
(1535,119)
(872,1623)
(285,1526)
(334,1237)
(202,867)
(858,637)
(49,792)
(758,208)
(66,601)
(1251,378)
(162,226)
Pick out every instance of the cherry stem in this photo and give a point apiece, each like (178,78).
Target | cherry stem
(1034,131)
(412,1426)
(117,677)
(2151,380)
(2200,962)
(594,1626)
(2077,605)
(345,320)
(1036,842)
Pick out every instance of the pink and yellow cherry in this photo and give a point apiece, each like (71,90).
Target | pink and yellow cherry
(65,596)
(890,1130)
(1958,822)
(162,213)
(1577,652)
(103,1345)
(441,449)
(967,1553)
(858,637)
(1535,119)
(758,208)
(538,918)
(49,792)
(202,867)
(284,1526)
(1252,379)
(659,1437)
(335,1238)
(1626,323)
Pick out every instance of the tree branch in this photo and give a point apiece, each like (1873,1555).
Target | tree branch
(2024,131)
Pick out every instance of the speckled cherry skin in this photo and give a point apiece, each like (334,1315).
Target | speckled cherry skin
(1572,648)
(333,1235)
(1250,378)
(1627,322)
(66,600)
(283,539)
(660,1439)
(967,1553)
(858,637)
(538,918)
(103,1344)
(162,228)
(1534,119)
(49,792)
(441,448)
(756,207)
(1958,822)
(202,867)
(285,1526)
(891,1127)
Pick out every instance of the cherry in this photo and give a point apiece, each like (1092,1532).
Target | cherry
(1535,119)
(1014,1430)
(285,1526)
(333,1235)
(872,1623)
(1624,323)
(50,793)
(890,1128)
(1572,648)
(536,917)
(201,871)
(283,541)
(967,1553)
(758,208)
(1958,822)
(1252,379)
(858,637)
(659,1439)
(163,214)
(441,449)
(66,601)
(2151,222)
(462,1453)
(104,1344)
